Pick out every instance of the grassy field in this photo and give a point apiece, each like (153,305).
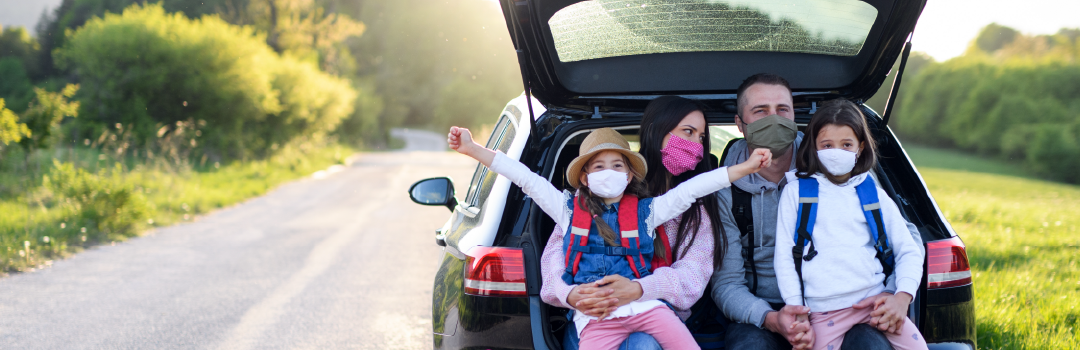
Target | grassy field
(1023,240)
(87,198)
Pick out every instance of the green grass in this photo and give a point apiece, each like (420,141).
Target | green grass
(958,160)
(111,201)
(1023,242)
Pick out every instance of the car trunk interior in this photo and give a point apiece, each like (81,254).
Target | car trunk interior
(894,171)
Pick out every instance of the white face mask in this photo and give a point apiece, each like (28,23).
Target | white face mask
(608,183)
(837,161)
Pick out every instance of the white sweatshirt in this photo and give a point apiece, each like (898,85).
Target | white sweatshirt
(845,269)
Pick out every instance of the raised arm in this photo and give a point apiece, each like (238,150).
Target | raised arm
(544,194)
(678,200)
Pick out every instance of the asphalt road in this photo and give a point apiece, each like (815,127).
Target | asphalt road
(343,260)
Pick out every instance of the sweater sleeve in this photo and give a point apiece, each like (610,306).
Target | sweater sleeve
(890,282)
(729,285)
(683,283)
(552,265)
(543,193)
(786,219)
(677,200)
(908,255)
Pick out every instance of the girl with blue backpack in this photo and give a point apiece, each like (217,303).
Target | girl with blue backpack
(845,235)
(609,226)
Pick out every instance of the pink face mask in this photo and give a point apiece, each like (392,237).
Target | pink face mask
(681,155)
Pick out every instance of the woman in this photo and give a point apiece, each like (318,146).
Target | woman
(674,139)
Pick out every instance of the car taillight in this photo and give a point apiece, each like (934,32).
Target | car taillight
(495,271)
(947,264)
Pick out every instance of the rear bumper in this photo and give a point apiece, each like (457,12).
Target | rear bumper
(488,323)
(949,318)
(950,346)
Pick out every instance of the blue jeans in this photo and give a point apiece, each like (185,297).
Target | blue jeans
(748,336)
(636,341)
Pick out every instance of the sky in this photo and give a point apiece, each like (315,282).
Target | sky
(24,13)
(944,30)
(947,26)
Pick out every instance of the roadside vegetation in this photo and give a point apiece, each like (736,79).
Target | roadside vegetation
(1010,95)
(1023,242)
(88,196)
(117,116)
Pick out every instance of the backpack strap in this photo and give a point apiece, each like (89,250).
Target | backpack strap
(579,235)
(743,212)
(628,231)
(868,197)
(807,213)
(580,224)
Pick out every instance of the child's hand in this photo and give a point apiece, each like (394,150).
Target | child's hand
(890,312)
(803,340)
(761,158)
(459,139)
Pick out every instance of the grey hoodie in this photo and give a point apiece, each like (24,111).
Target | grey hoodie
(730,283)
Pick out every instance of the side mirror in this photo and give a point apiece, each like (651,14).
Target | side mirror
(434,191)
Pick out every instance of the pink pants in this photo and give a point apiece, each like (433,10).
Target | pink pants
(660,322)
(829,328)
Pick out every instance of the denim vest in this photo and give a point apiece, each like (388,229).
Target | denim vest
(598,259)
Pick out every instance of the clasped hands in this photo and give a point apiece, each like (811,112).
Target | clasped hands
(793,321)
(601,298)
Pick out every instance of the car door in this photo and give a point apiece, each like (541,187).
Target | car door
(466,216)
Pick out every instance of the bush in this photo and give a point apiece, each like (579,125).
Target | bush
(10,128)
(103,201)
(145,68)
(44,114)
(1054,149)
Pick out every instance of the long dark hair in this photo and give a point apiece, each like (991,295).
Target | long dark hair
(595,205)
(661,116)
(838,112)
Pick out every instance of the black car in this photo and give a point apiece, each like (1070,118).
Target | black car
(592,64)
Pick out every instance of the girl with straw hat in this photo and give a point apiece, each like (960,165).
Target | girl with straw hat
(600,239)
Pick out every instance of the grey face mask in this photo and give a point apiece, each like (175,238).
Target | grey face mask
(774,132)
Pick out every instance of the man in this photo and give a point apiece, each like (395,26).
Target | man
(745,287)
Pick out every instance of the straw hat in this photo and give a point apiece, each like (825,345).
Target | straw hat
(603,139)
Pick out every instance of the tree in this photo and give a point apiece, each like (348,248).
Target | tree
(15,85)
(305,29)
(16,43)
(995,36)
(44,115)
(144,68)
(1019,101)
(417,51)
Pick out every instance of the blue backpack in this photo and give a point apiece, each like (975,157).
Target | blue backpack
(807,213)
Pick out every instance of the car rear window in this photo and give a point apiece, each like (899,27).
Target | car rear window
(611,28)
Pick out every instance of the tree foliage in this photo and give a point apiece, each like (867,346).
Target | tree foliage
(1017,100)
(145,68)
(44,115)
(10,128)
(436,62)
